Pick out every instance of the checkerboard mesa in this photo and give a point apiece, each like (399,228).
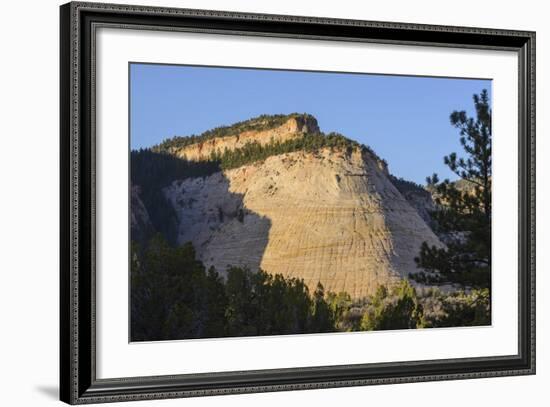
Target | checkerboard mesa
(276,193)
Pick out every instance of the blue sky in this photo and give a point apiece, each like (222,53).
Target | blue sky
(404,119)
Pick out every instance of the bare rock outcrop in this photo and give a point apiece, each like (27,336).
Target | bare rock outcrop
(294,126)
(328,216)
(418,197)
(141,227)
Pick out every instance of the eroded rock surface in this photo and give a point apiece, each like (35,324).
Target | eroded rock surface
(330,216)
(291,128)
(140,223)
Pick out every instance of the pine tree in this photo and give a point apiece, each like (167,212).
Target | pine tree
(321,317)
(463,218)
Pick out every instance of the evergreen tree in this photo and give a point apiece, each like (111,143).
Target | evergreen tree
(322,319)
(464,215)
(399,308)
(241,312)
(172,296)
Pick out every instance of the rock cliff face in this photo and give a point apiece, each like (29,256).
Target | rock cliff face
(328,213)
(418,197)
(327,216)
(295,126)
(140,223)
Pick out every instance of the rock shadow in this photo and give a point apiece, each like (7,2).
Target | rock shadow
(214,217)
(193,201)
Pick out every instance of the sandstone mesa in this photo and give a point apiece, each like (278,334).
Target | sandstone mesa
(327,216)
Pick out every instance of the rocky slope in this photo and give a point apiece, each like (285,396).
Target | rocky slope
(328,216)
(332,215)
(292,127)
(141,227)
(418,197)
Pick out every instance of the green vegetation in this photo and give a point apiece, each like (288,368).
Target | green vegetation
(457,309)
(464,214)
(260,123)
(173,296)
(405,186)
(396,309)
(405,307)
(254,151)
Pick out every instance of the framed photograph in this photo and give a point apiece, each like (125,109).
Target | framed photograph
(255,203)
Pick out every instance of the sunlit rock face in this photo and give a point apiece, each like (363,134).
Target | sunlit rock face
(331,216)
(293,127)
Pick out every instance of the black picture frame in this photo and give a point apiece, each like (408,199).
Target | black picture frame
(78,382)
